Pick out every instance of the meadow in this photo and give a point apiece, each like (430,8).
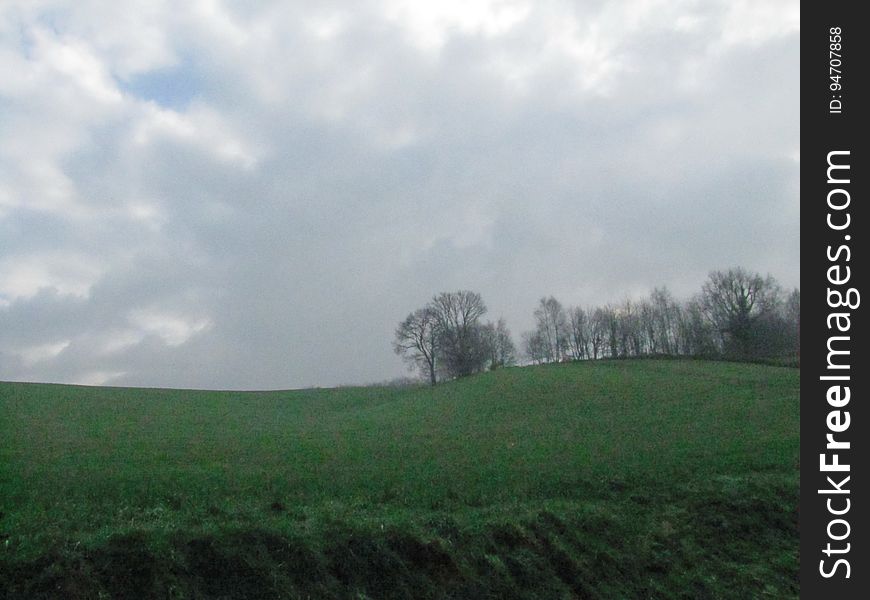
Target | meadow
(599,479)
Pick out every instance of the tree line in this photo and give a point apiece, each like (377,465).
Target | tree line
(737,314)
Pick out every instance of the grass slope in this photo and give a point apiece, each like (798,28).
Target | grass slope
(595,480)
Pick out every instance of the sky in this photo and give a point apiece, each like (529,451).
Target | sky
(252,194)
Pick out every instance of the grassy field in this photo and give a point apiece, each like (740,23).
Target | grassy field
(611,479)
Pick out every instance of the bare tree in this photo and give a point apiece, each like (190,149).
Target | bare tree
(534,347)
(665,315)
(697,337)
(417,341)
(792,312)
(461,340)
(735,301)
(578,333)
(552,327)
(610,322)
(599,324)
(501,351)
(646,322)
(628,325)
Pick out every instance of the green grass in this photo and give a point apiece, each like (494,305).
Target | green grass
(611,479)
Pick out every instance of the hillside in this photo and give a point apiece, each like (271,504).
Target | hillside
(599,479)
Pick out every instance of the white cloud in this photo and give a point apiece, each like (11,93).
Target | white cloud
(35,354)
(173,329)
(117,340)
(429,25)
(753,23)
(71,62)
(97,378)
(22,277)
(150,214)
(201,127)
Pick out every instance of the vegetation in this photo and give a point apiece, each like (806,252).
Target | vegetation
(595,479)
(737,315)
(446,337)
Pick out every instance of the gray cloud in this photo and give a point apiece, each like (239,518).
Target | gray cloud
(252,195)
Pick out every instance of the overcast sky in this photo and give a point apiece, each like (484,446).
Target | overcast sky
(249,195)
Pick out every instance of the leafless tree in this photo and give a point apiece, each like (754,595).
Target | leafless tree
(646,322)
(416,341)
(628,325)
(578,332)
(461,340)
(501,351)
(599,327)
(665,315)
(534,347)
(735,301)
(552,327)
(612,332)
(792,311)
(696,334)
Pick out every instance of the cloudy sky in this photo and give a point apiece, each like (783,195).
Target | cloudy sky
(247,195)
